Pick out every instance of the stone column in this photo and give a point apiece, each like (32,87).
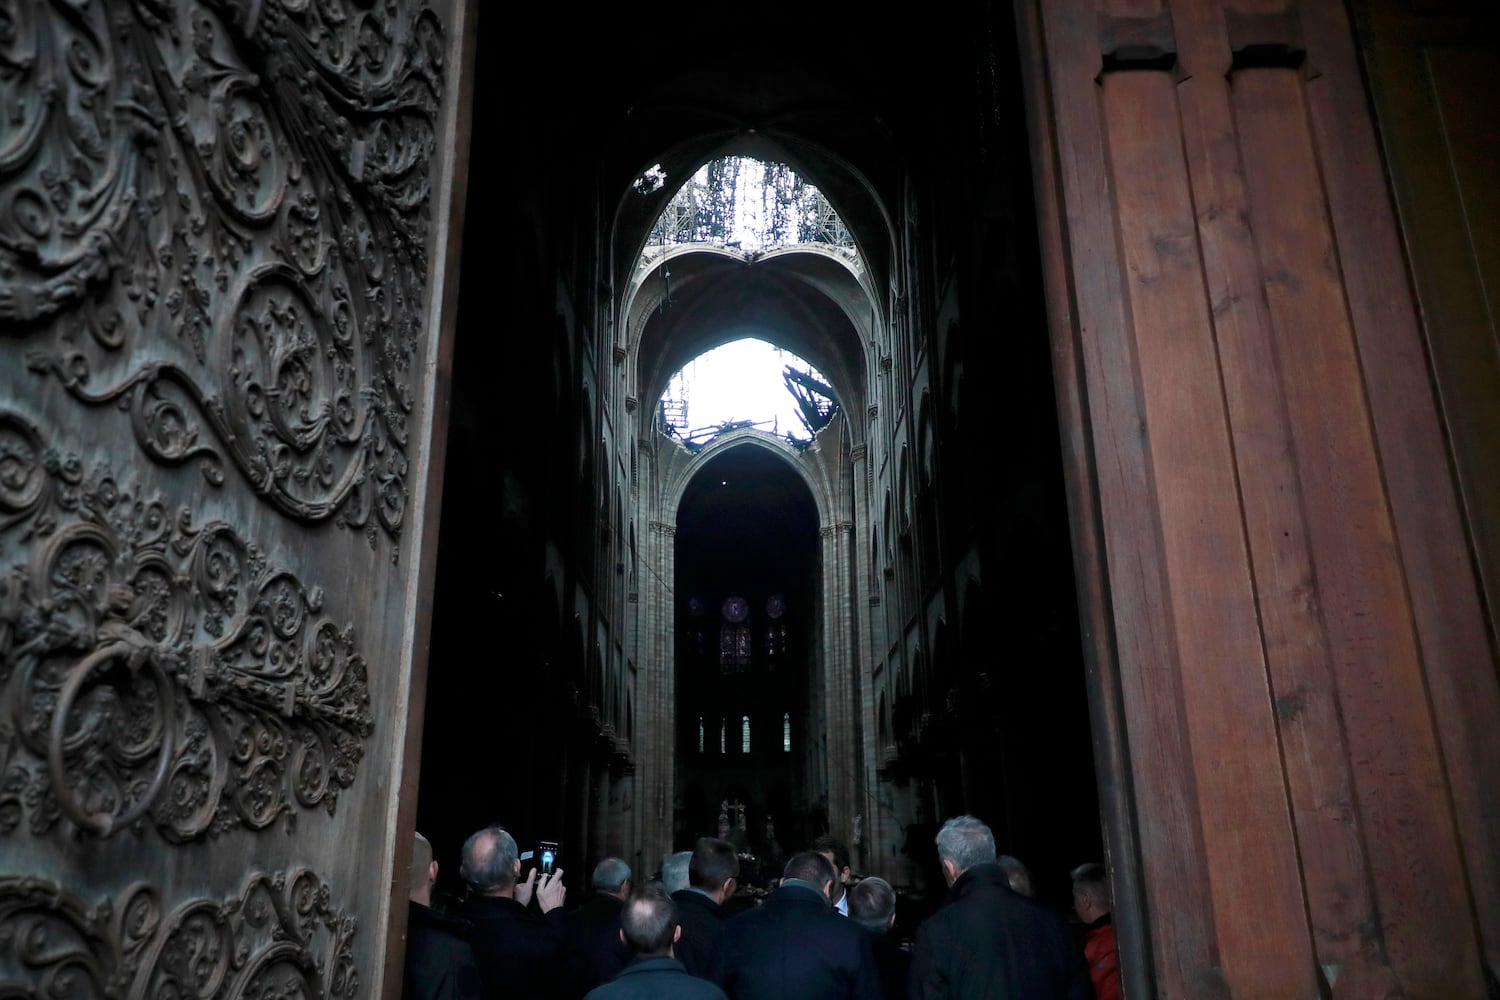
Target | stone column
(867,801)
(656,724)
(838,679)
(623,798)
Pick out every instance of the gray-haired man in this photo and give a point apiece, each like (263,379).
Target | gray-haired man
(988,940)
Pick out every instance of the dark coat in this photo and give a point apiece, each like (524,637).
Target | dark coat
(656,979)
(892,964)
(989,943)
(440,965)
(519,950)
(593,951)
(794,945)
(702,922)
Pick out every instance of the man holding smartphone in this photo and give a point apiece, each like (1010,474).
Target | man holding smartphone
(519,950)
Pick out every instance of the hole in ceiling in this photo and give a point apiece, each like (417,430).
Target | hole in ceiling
(746,383)
(747,204)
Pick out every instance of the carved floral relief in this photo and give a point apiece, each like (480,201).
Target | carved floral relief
(279,936)
(155,669)
(214,213)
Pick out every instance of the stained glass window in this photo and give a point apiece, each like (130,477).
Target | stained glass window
(723,737)
(745,735)
(734,648)
(786,733)
(700,734)
(775,640)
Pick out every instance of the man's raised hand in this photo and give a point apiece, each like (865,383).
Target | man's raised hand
(526,888)
(550,891)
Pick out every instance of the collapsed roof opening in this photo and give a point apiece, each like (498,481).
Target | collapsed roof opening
(746,383)
(746,204)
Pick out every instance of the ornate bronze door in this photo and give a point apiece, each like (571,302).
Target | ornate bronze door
(223,226)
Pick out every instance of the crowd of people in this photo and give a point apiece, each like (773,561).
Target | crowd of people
(820,933)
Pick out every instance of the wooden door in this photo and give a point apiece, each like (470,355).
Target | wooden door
(223,229)
(1431,67)
(1293,693)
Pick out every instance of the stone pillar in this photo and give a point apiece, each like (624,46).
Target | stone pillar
(600,844)
(623,795)
(875,849)
(843,754)
(655,724)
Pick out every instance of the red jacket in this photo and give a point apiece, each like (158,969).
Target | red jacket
(1104,963)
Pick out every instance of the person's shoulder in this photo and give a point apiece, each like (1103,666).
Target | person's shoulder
(603,992)
(451,923)
(680,984)
(702,989)
(478,908)
(945,921)
(747,917)
(852,930)
(669,981)
(691,899)
(831,926)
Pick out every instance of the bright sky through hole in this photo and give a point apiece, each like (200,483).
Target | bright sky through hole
(740,381)
(750,204)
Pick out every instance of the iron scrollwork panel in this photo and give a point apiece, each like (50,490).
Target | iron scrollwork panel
(155,669)
(215,225)
(216,215)
(280,936)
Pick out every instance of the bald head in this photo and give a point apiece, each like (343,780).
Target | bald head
(423,871)
(490,861)
(648,924)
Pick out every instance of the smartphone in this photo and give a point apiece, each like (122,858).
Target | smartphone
(547,853)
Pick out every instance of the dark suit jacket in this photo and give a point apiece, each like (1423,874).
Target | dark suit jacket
(794,945)
(593,951)
(702,921)
(989,943)
(440,964)
(656,979)
(519,949)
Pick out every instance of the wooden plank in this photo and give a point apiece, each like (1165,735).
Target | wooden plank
(1260,916)
(1334,869)
(1399,782)
(1090,570)
(1185,952)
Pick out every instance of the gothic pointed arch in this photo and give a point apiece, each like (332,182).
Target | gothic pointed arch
(818,483)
